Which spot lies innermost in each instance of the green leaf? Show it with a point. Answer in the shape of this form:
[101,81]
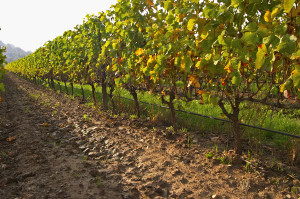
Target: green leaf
[272,39]
[236,80]
[296,80]
[187,63]
[210,11]
[2,87]
[263,31]
[205,97]
[170,18]
[296,55]
[179,84]
[235,3]
[296,77]
[250,38]
[251,27]
[168,5]
[280,29]
[160,60]
[236,44]
[288,4]
[287,44]
[213,100]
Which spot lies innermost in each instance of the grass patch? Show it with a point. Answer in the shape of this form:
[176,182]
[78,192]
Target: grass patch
[251,113]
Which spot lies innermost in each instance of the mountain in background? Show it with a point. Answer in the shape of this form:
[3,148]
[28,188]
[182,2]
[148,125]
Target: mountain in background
[13,53]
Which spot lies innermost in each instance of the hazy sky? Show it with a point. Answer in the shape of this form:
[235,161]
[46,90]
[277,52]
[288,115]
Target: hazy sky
[30,23]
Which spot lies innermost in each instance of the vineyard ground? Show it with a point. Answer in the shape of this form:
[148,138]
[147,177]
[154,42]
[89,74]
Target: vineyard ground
[48,149]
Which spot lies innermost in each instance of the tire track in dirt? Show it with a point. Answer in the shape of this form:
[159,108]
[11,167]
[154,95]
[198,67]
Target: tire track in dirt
[34,164]
[73,158]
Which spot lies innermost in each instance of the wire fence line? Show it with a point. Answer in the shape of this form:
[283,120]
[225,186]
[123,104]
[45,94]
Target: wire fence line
[215,118]
[211,117]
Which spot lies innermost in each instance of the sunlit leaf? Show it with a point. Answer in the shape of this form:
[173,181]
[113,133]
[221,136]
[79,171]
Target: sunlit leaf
[139,51]
[288,4]
[268,17]
[194,81]
[191,24]
[260,56]
[149,3]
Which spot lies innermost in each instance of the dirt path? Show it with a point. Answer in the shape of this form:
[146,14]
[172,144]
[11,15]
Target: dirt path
[48,149]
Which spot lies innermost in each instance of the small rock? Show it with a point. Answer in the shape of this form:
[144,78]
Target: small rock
[288,196]
[184,181]
[176,173]
[115,155]
[94,154]
[263,194]
[86,151]
[167,163]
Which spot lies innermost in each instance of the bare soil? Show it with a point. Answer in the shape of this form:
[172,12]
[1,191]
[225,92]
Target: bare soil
[51,146]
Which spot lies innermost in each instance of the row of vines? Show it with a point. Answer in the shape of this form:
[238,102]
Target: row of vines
[221,52]
[2,70]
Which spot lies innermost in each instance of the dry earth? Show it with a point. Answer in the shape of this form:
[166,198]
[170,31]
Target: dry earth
[49,150]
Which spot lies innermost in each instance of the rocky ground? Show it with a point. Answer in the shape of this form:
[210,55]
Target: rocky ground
[51,146]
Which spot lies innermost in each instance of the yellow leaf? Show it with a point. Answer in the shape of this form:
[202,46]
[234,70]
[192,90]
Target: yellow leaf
[288,5]
[149,3]
[200,92]
[139,51]
[267,16]
[204,35]
[281,87]
[228,67]
[10,139]
[150,60]
[275,11]
[193,80]
[191,24]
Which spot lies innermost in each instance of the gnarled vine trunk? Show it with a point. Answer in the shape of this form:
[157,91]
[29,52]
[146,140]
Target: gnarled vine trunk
[104,94]
[171,107]
[136,102]
[72,88]
[111,90]
[82,92]
[66,87]
[94,94]
[234,117]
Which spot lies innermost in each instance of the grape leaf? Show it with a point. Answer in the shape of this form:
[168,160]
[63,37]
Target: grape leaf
[191,24]
[268,17]
[287,5]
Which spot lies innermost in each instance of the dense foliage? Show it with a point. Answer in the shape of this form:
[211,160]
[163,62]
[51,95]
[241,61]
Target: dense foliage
[2,70]
[219,52]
